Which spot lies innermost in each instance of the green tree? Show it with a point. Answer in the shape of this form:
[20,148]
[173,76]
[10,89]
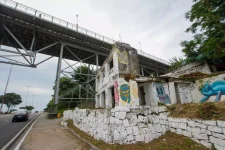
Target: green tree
[11,99]
[29,107]
[208,28]
[176,62]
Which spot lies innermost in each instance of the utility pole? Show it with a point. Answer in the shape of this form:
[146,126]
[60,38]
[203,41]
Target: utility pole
[3,98]
[33,100]
[27,95]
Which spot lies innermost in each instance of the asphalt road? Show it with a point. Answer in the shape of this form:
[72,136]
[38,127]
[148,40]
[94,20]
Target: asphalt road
[9,129]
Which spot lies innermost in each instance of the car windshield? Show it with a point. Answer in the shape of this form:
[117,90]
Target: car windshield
[21,112]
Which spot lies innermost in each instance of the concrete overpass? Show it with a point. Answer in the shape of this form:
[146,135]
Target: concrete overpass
[29,32]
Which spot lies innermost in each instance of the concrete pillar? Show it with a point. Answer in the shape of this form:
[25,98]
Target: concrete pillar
[172,93]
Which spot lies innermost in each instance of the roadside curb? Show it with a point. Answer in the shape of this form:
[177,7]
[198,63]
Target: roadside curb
[95,148]
[18,134]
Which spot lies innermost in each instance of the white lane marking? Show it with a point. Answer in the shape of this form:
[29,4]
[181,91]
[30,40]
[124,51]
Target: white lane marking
[21,141]
[17,135]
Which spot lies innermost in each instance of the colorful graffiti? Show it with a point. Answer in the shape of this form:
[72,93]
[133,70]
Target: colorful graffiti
[116,93]
[216,88]
[163,97]
[125,93]
[134,89]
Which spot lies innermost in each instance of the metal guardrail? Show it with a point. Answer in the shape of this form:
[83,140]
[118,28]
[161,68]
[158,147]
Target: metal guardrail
[41,15]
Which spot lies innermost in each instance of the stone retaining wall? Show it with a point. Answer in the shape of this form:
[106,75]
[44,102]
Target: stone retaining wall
[143,124]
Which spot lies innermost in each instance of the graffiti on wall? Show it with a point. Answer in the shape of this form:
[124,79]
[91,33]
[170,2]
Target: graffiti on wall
[116,93]
[216,88]
[163,97]
[125,93]
[134,90]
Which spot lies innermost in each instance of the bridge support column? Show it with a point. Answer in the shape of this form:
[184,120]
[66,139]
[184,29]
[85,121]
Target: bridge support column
[56,95]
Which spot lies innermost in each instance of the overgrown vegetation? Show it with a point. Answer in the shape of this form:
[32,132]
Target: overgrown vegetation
[206,110]
[208,29]
[169,141]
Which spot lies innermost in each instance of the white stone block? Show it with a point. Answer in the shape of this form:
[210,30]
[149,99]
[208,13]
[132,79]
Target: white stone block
[120,115]
[129,130]
[140,138]
[155,120]
[218,147]
[195,130]
[117,121]
[215,129]
[174,125]
[186,133]
[123,133]
[200,136]
[130,138]
[200,125]
[191,123]
[162,109]
[172,130]
[170,119]
[179,131]
[184,120]
[158,128]
[111,119]
[217,141]
[126,123]
[209,122]
[203,131]
[220,136]
[143,119]
[208,132]
[206,144]
[182,126]
[135,130]
[221,123]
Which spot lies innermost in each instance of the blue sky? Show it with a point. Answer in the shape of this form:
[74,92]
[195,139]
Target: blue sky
[158,25]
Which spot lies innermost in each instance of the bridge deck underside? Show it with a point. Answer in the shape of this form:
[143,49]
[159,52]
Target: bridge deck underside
[23,26]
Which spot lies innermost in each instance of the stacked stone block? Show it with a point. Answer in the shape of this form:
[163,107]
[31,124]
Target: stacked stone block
[143,124]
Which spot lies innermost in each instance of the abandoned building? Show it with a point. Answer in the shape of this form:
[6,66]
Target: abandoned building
[119,83]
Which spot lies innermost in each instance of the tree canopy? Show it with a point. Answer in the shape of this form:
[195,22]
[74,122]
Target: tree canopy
[29,107]
[208,27]
[11,99]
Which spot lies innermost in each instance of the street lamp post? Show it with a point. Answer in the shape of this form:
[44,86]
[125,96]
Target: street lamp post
[140,45]
[33,100]
[27,95]
[3,98]
[77,21]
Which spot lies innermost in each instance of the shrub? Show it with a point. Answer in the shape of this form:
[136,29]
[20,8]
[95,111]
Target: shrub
[207,110]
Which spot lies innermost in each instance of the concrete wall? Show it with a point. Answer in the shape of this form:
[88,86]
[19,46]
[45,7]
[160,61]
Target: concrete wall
[119,78]
[190,68]
[192,92]
[143,124]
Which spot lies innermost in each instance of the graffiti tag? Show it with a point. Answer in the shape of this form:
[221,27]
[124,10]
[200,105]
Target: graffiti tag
[125,93]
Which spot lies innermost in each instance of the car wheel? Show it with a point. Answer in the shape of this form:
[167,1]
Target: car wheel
[13,120]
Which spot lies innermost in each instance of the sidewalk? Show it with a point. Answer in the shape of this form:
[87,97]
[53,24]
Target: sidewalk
[47,134]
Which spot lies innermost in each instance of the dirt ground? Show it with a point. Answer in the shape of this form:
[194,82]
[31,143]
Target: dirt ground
[47,134]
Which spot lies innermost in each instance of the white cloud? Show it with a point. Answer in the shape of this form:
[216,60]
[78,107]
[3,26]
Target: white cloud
[158,25]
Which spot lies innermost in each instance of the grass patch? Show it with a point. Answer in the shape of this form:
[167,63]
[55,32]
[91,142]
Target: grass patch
[206,110]
[169,141]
